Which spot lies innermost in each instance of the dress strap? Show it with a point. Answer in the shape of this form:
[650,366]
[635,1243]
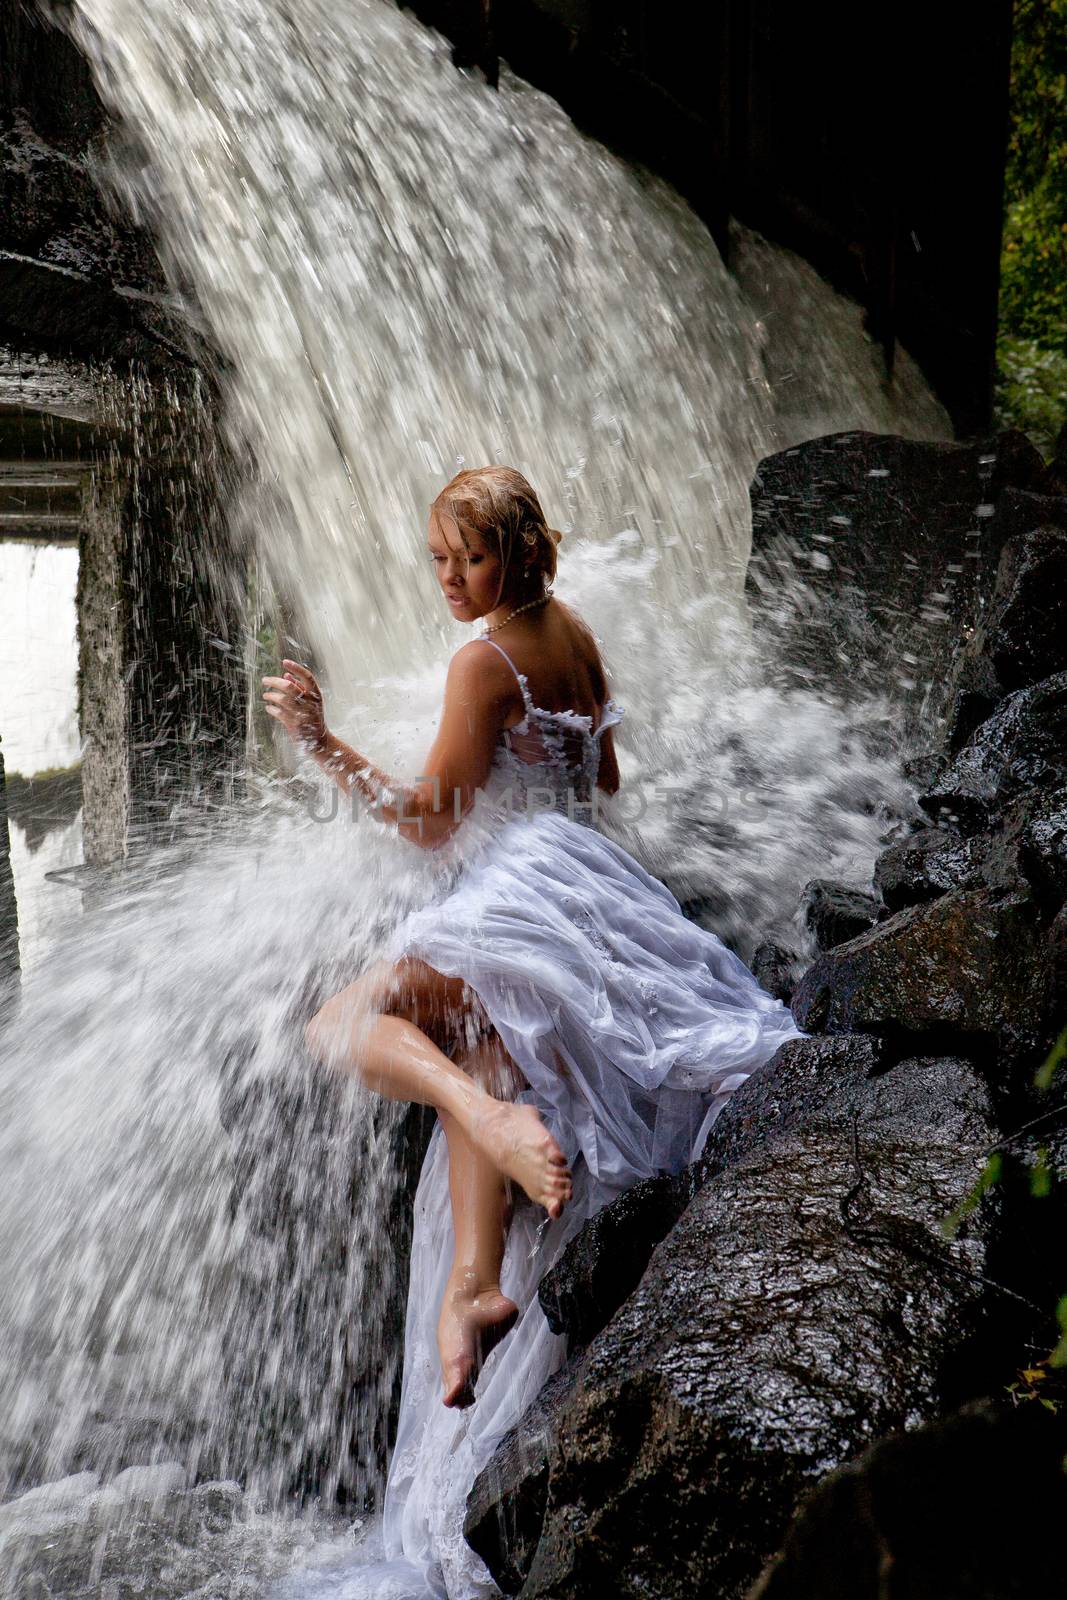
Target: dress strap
[520,675]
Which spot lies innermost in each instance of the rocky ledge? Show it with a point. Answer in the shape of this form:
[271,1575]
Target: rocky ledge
[838,1319]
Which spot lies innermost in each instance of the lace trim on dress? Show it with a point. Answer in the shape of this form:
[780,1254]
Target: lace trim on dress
[557,751]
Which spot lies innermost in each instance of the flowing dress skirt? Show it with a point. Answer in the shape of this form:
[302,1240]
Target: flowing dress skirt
[632,1026]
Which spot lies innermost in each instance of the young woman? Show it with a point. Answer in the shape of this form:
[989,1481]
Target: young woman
[574,1031]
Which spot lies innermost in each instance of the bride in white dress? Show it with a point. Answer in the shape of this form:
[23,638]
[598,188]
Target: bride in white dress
[574,1031]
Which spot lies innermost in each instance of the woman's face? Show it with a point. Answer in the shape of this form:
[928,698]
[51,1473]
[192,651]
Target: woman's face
[469,574]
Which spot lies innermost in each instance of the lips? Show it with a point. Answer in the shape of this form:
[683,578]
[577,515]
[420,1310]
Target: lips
[456,599]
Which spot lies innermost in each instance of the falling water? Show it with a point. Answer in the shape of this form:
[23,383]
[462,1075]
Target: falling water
[402,271]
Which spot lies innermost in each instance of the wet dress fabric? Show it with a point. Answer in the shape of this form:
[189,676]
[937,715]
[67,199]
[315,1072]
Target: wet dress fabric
[632,1026]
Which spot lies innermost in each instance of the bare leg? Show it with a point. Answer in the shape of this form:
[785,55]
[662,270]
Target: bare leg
[397,1059]
[475,1313]
[404,1062]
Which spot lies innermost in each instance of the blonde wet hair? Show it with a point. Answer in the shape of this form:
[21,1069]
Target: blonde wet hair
[500,505]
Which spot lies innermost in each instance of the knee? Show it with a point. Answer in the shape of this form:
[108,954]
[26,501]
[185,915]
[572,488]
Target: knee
[317,1035]
[335,1033]
[324,1037]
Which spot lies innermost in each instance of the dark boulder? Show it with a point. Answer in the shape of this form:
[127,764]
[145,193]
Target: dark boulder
[1023,853]
[1022,746]
[923,769]
[1023,506]
[1043,849]
[968,1508]
[972,968]
[61,309]
[54,212]
[1021,638]
[808,1083]
[1023,634]
[44,76]
[835,913]
[603,1265]
[776,969]
[924,866]
[806,1303]
[869,549]
[974,693]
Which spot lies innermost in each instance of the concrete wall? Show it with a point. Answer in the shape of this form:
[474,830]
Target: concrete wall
[161,681]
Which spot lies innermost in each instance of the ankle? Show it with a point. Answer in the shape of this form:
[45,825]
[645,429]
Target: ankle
[468,1283]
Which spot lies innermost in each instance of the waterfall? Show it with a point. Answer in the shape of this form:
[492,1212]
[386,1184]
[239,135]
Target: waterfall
[403,272]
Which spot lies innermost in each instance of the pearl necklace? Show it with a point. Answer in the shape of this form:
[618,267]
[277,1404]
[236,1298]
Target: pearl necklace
[538,602]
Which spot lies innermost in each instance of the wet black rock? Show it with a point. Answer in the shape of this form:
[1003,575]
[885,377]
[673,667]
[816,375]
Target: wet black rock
[1021,747]
[808,1083]
[603,1265]
[1023,634]
[974,694]
[1022,854]
[1023,506]
[923,769]
[806,1303]
[925,865]
[59,308]
[1021,638]
[892,539]
[506,1506]
[835,913]
[968,1508]
[776,969]
[971,971]
[1043,849]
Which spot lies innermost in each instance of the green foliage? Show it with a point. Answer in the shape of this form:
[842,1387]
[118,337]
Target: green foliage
[1053,1062]
[1031,391]
[1043,1179]
[1032,1384]
[1032,347]
[989,1175]
[1058,1358]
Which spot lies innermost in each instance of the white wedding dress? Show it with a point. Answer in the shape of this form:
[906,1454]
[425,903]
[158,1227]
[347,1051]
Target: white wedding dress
[632,1025]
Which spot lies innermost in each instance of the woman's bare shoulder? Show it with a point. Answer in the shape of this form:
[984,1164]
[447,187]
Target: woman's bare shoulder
[588,644]
[477,673]
[582,627]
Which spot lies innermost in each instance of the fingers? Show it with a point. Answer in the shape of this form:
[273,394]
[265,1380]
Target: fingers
[304,674]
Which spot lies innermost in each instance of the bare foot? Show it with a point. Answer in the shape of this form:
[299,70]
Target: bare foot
[521,1147]
[469,1327]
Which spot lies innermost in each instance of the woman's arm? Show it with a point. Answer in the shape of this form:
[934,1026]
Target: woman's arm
[429,810]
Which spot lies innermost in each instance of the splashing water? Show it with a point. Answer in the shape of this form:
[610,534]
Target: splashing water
[404,271]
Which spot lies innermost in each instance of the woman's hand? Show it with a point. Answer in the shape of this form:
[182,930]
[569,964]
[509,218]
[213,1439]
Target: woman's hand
[296,702]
